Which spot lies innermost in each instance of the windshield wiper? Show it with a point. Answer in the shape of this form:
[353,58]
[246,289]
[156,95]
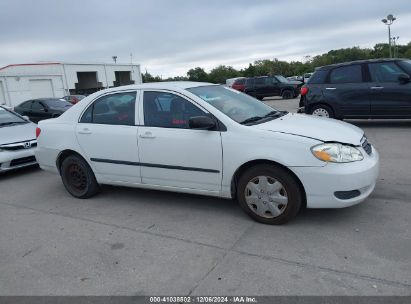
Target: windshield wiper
[12,123]
[273,114]
[251,119]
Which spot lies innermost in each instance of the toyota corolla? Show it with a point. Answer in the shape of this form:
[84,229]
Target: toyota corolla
[212,140]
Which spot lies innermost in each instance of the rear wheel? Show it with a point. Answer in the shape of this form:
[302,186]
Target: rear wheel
[287,94]
[269,194]
[78,178]
[322,110]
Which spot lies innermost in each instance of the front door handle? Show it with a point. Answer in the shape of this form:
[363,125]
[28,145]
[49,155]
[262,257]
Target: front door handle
[85,131]
[330,88]
[377,88]
[147,135]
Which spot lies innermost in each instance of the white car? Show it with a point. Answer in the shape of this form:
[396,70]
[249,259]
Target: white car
[17,141]
[208,139]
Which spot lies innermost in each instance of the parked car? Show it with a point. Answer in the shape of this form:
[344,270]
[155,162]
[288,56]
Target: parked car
[229,82]
[73,99]
[17,141]
[42,108]
[307,77]
[239,84]
[360,89]
[267,86]
[212,140]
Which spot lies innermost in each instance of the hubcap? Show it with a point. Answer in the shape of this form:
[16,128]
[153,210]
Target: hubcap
[76,177]
[321,112]
[266,196]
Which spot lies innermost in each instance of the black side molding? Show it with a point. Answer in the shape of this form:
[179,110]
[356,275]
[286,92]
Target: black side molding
[128,163]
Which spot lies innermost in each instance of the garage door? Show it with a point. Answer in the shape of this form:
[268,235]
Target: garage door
[2,96]
[41,88]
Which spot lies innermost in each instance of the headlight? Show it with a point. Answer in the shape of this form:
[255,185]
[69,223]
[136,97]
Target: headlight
[336,153]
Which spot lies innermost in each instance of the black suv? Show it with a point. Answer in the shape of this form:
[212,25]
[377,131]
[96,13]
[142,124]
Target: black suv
[377,88]
[267,86]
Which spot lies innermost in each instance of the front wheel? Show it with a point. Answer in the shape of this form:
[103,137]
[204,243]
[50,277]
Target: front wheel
[78,178]
[269,194]
[287,94]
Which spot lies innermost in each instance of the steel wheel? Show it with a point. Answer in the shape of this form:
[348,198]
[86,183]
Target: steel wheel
[321,112]
[76,178]
[266,196]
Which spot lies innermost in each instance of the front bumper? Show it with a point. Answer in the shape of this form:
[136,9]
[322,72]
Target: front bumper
[323,185]
[10,160]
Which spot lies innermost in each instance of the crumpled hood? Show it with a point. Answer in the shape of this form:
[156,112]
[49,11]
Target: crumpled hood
[17,133]
[323,129]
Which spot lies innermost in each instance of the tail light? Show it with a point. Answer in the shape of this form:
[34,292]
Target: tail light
[38,131]
[304,91]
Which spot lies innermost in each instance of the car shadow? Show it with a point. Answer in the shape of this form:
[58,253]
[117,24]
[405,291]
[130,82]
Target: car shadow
[380,123]
[16,173]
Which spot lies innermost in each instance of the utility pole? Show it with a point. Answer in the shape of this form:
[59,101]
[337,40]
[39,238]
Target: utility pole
[388,21]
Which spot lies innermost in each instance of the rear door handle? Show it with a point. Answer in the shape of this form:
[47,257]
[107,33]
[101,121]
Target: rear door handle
[147,135]
[330,88]
[377,88]
[85,131]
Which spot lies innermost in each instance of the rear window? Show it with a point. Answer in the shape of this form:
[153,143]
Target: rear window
[318,77]
[346,74]
[57,103]
[240,81]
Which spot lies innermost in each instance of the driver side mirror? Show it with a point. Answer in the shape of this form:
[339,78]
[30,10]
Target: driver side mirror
[201,123]
[403,78]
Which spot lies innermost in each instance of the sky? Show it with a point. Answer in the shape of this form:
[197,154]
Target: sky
[168,37]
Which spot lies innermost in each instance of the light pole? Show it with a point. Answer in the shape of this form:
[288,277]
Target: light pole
[395,40]
[388,21]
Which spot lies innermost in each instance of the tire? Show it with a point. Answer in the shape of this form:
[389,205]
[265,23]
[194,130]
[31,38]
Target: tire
[276,207]
[322,110]
[287,94]
[78,178]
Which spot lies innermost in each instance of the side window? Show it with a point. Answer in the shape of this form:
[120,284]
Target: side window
[260,82]
[114,109]
[26,105]
[347,74]
[165,110]
[318,77]
[384,72]
[37,106]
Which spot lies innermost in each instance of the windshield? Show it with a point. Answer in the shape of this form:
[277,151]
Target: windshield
[281,78]
[8,118]
[236,105]
[58,103]
[406,65]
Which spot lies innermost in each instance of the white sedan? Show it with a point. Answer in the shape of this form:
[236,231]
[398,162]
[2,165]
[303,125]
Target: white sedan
[208,139]
[17,141]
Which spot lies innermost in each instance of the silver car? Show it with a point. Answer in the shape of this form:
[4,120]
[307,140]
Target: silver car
[17,141]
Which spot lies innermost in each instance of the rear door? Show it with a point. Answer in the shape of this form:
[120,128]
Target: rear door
[347,91]
[107,134]
[389,97]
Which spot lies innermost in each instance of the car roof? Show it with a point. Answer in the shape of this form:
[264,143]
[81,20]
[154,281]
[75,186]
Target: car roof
[335,65]
[164,85]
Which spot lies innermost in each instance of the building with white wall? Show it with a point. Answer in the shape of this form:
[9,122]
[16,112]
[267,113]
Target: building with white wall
[20,82]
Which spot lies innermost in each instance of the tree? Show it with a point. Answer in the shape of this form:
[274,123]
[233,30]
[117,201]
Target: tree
[197,74]
[221,73]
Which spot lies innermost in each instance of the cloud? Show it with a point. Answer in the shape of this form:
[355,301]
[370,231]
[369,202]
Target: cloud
[170,36]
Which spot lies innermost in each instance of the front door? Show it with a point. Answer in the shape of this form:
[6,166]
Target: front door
[389,97]
[172,154]
[107,134]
